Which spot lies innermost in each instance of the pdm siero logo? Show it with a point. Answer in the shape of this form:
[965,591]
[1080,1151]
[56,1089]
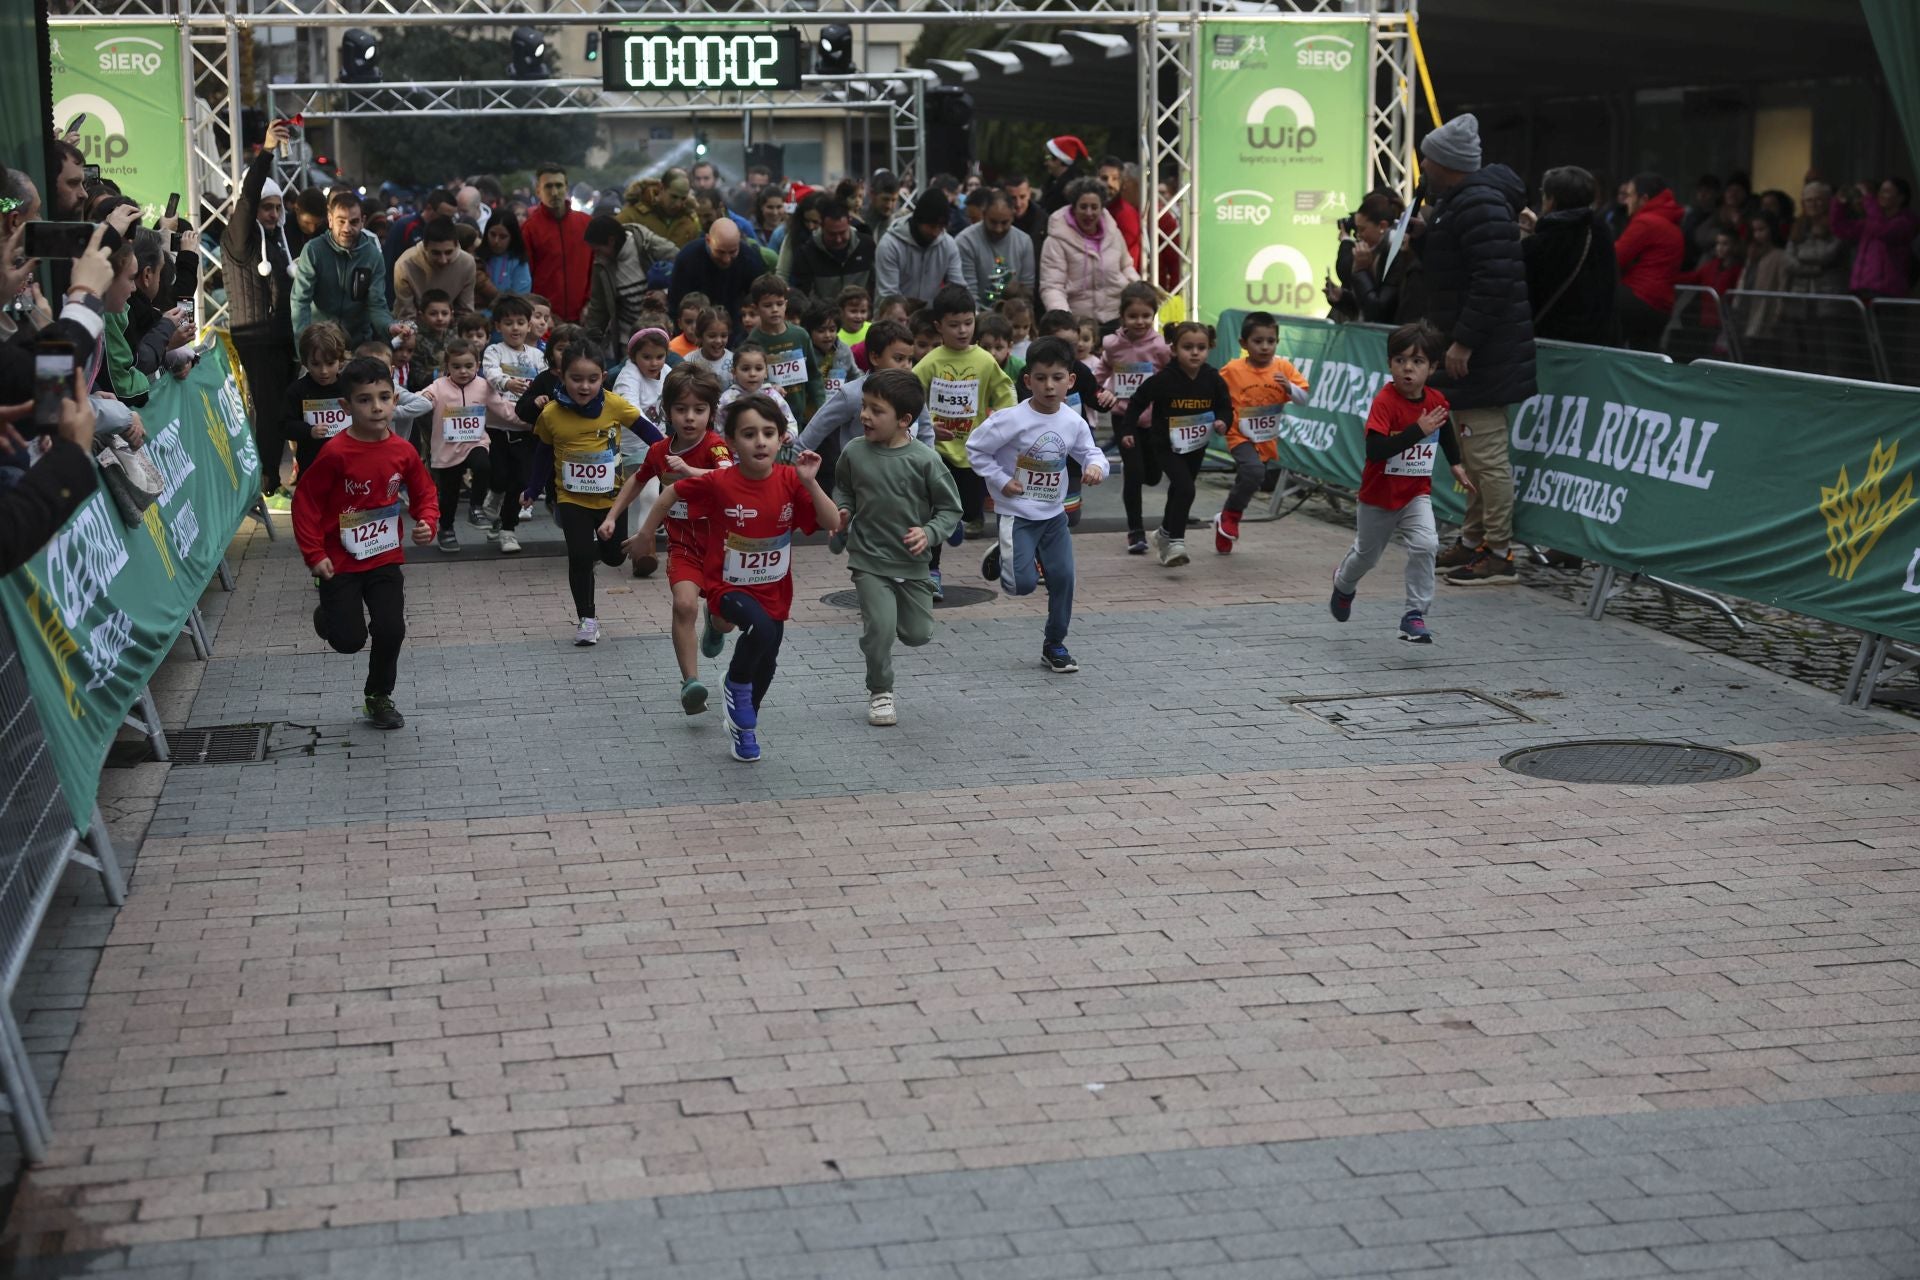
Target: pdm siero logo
[1244,207]
[133,54]
[1323,53]
[1293,295]
[1296,136]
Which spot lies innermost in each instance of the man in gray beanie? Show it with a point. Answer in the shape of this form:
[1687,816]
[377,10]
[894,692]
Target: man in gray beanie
[1476,283]
[257,254]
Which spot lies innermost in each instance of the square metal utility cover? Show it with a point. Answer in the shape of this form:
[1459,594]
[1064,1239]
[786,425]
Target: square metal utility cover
[1424,711]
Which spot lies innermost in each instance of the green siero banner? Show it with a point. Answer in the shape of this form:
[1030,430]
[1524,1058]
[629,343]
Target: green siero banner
[1282,157]
[100,606]
[1788,490]
[125,79]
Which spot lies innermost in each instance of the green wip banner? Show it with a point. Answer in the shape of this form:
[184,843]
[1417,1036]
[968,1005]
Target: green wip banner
[1796,492]
[1282,156]
[100,606]
[126,81]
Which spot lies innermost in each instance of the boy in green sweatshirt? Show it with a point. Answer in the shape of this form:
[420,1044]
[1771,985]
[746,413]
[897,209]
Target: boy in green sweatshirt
[793,370]
[896,503]
[964,386]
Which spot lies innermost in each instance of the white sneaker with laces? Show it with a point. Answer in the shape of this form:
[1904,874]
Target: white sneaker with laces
[509,543]
[589,632]
[880,710]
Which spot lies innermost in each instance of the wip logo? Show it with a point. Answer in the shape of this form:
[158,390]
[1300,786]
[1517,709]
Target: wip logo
[1856,516]
[1246,207]
[1297,136]
[1292,295]
[133,54]
[103,139]
[1323,53]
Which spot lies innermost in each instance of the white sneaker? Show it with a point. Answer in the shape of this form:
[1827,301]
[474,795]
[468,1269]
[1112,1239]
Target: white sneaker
[880,710]
[1161,542]
[1176,553]
[526,511]
[509,543]
[589,632]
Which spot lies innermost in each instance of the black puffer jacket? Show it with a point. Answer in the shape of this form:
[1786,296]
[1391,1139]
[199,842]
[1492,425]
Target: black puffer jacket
[1571,278]
[1476,284]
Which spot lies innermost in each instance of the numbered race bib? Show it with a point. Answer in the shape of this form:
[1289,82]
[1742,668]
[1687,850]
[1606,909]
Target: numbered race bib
[464,426]
[954,403]
[1128,377]
[1045,481]
[1191,432]
[1262,424]
[1415,461]
[328,417]
[678,511]
[835,380]
[756,562]
[366,534]
[787,371]
[587,473]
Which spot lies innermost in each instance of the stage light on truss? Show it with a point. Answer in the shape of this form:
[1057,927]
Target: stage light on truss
[833,54]
[359,57]
[529,54]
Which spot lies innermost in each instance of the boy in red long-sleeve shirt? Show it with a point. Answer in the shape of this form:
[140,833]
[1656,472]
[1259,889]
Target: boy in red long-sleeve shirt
[346,519]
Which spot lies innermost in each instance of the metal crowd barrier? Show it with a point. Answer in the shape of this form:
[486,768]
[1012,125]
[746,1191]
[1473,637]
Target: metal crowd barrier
[1834,335]
[37,841]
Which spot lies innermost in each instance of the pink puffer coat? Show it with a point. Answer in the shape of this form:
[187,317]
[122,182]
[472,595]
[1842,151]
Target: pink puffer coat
[1080,276]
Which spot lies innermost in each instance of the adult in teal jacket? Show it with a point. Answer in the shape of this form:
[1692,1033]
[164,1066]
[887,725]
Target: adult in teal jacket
[342,276]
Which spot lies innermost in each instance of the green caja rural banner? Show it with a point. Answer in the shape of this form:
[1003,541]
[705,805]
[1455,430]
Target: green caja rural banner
[1796,492]
[98,609]
[1282,157]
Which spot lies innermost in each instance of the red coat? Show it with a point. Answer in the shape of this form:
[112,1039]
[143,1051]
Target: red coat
[1650,251]
[1127,218]
[1715,275]
[561,262]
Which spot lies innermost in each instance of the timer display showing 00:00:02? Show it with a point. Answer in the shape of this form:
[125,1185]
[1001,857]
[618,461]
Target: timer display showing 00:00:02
[702,62]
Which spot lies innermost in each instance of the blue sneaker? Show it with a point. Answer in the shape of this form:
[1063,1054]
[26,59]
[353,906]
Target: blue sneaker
[741,721]
[1055,658]
[1341,606]
[712,639]
[939,592]
[959,534]
[1413,629]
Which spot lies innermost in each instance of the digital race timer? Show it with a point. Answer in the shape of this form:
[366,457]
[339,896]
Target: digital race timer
[670,60]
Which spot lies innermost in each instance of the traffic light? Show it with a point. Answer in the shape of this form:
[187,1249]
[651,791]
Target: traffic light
[833,54]
[359,57]
[700,143]
[529,52]
[593,46]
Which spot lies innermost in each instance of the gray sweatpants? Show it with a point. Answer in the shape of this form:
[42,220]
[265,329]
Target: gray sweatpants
[1374,528]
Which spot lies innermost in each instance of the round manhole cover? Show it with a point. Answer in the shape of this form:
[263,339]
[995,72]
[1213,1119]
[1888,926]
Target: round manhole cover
[1629,763]
[957,598]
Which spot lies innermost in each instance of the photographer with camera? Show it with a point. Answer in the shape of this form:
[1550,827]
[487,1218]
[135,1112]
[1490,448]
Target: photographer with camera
[1369,288]
[341,276]
[258,262]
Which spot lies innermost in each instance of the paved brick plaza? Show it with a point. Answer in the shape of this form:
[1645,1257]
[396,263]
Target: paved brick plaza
[1145,971]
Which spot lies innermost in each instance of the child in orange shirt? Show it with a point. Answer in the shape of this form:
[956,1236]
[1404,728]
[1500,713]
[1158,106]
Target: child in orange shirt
[1261,384]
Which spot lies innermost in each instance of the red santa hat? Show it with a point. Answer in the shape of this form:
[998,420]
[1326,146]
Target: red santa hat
[1066,149]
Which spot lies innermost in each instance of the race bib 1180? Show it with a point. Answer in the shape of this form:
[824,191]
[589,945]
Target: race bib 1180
[328,418]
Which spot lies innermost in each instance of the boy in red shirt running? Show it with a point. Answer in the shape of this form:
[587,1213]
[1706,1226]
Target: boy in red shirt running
[689,397]
[346,520]
[752,510]
[1396,485]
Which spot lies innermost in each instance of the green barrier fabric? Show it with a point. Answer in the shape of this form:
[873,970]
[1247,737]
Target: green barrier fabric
[1282,140]
[1793,491]
[126,80]
[100,606]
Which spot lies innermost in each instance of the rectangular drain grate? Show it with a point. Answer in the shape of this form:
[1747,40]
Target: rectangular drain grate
[219,744]
[1425,711]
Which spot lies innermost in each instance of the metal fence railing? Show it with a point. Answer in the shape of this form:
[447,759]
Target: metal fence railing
[37,841]
[1832,334]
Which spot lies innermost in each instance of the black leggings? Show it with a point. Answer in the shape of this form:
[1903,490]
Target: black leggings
[356,606]
[1181,470]
[584,547]
[757,651]
[447,481]
[1138,466]
[512,453]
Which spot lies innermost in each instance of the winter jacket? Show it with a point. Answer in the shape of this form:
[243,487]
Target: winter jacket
[1570,253]
[904,266]
[323,288]
[1127,218]
[616,288]
[414,276]
[682,230]
[989,267]
[1712,273]
[1080,276]
[694,271]
[820,272]
[1816,261]
[1884,264]
[1476,283]
[259,308]
[1766,273]
[1651,250]
[508,275]
[561,262]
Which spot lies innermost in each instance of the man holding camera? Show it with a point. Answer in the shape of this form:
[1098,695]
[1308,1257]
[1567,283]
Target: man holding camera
[259,269]
[341,276]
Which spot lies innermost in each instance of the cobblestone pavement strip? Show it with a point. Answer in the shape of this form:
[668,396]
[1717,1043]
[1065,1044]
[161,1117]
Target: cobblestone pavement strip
[1144,972]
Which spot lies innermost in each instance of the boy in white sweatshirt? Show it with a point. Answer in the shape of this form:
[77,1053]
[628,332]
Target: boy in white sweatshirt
[1021,455]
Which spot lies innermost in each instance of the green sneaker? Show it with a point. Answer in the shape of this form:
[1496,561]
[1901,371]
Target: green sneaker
[279,500]
[382,714]
[712,639]
[693,697]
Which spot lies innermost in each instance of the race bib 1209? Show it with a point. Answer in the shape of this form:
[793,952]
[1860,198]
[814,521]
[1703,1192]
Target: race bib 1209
[588,473]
